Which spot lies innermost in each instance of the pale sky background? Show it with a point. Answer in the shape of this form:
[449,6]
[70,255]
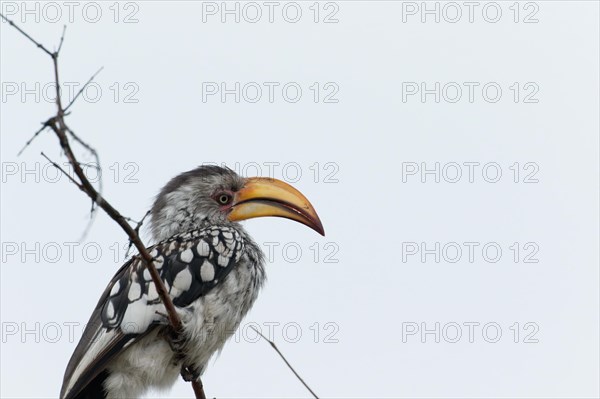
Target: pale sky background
[355,315]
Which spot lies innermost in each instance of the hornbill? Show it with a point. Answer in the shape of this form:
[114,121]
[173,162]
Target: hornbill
[212,269]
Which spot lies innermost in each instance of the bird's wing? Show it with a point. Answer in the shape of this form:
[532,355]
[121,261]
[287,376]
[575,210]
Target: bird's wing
[190,265]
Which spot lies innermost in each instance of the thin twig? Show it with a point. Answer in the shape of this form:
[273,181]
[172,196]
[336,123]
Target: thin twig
[94,153]
[88,227]
[286,362]
[11,23]
[90,165]
[62,38]
[57,166]
[89,148]
[59,127]
[92,217]
[83,88]
[44,126]
[137,230]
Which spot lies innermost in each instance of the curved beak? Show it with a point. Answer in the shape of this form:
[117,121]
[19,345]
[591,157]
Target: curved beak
[262,196]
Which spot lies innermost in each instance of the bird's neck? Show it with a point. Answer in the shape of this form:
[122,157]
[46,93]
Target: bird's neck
[170,222]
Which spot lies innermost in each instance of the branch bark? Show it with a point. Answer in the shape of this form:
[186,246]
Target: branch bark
[58,125]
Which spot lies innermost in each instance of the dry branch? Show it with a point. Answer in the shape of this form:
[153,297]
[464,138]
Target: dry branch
[286,361]
[58,125]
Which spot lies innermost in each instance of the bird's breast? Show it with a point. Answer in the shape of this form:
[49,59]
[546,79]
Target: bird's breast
[212,319]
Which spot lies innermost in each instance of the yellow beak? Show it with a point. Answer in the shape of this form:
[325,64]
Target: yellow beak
[262,196]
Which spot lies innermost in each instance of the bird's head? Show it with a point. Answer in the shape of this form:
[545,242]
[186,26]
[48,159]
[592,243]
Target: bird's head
[216,195]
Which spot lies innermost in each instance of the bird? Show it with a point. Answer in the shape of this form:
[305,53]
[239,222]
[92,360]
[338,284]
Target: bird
[212,269]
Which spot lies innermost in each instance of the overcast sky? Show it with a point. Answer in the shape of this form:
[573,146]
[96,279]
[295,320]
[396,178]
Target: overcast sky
[451,152]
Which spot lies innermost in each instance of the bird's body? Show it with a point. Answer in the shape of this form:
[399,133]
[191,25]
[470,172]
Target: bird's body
[212,270]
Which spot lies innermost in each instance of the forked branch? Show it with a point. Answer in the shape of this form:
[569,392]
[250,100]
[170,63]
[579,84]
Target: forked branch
[58,125]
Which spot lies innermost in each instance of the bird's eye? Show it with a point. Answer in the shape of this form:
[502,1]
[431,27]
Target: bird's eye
[224,199]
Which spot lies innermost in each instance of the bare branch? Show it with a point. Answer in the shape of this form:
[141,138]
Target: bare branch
[286,362]
[137,230]
[90,165]
[11,23]
[83,88]
[92,213]
[44,126]
[57,166]
[59,127]
[88,227]
[60,113]
[198,389]
[91,150]
[62,38]
[94,153]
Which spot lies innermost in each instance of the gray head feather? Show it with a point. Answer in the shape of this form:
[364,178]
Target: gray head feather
[186,202]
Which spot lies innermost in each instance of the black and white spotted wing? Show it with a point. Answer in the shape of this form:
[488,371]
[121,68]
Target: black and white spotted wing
[189,264]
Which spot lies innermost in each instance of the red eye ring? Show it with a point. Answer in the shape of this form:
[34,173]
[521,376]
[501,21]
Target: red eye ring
[224,198]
